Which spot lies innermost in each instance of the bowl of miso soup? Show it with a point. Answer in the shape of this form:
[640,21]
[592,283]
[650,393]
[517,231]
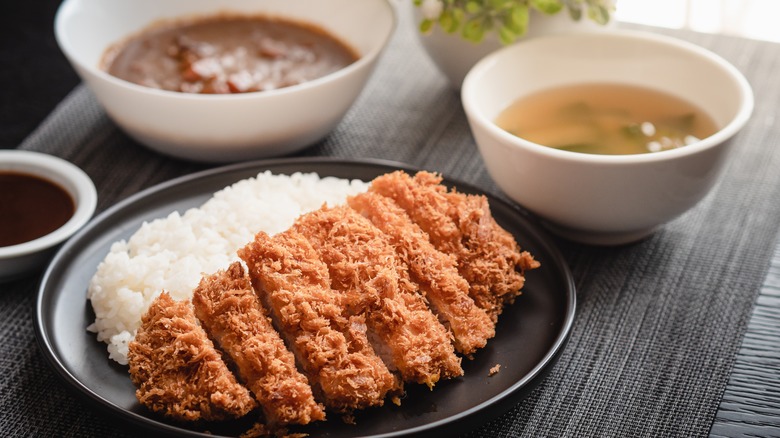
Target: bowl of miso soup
[606,136]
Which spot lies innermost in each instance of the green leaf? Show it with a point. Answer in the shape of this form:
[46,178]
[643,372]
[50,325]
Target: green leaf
[633,131]
[547,6]
[599,14]
[473,7]
[575,10]
[680,123]
[517,20]
[506,35]
[458,15]
[473,30]
[426,26]
[497,5]
[579,110]
[583,148]
[445,21]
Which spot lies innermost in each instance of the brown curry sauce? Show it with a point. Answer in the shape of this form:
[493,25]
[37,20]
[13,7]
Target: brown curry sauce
[227,54]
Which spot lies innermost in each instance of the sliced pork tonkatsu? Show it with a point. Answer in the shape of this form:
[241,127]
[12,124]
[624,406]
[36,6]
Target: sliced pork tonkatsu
[461,225]
[332,347]
[363,266]
[177,370]
[490,259]
[338,313]
[435,272]
[229,309]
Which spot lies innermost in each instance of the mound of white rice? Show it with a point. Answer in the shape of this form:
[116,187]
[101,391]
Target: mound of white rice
[173,253]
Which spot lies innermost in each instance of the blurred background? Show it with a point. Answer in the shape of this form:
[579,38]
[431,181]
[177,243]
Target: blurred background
[35,76]
[756,19]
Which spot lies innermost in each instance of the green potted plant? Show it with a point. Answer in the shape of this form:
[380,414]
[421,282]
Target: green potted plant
[457,33]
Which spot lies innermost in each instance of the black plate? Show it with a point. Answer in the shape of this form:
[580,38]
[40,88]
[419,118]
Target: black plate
[530,334]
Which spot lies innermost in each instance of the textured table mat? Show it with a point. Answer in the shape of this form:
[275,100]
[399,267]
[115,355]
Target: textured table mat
[751,404]
[659,322]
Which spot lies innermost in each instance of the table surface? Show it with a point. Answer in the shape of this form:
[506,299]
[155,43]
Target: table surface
[35,77]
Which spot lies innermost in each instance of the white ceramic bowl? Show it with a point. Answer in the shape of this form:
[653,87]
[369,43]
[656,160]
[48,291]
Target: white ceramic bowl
[224,128]
[22,259]
[605,199]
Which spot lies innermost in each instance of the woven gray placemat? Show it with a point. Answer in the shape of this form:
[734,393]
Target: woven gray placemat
[751,404]
[658,323]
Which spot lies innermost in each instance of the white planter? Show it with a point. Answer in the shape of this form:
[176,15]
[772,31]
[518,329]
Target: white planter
[454,56]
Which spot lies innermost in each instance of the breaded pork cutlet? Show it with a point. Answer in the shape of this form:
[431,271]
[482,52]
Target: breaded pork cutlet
[488,256]
[332,348]
[177,370]
[490,259]
[231,313]
[364,268]
[434,271]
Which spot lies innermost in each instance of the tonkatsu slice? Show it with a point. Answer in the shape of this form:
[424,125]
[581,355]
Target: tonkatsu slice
[435,272]
[490,259]
[177,370]
[331,346]
[364,268]
[488,256]
[231,313]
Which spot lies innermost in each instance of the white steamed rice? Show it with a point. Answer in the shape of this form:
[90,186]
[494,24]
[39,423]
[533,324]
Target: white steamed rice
[173,253]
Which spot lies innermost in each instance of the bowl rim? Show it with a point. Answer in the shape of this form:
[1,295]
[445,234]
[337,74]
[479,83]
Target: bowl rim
[741,117]
[364,60]
[84,197]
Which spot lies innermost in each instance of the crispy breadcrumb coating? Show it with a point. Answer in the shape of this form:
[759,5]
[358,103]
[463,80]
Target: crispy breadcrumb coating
[333,348]
[434,271]
[461,225]
[363,267]
[362,298]
[490,259]
[177,370]
[229,309]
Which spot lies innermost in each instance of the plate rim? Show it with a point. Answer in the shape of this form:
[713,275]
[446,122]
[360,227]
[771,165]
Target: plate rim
[45,343]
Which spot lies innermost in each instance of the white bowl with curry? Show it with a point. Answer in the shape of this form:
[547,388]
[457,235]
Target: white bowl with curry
[225,80]
[606,136]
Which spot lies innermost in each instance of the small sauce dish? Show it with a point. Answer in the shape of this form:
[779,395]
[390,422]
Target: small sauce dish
[25,170]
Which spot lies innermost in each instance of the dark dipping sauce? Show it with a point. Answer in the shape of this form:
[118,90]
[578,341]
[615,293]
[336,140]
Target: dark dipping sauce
[31,207]
[227,54]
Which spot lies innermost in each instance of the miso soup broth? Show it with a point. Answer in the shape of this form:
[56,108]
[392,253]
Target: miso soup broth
[612,119]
